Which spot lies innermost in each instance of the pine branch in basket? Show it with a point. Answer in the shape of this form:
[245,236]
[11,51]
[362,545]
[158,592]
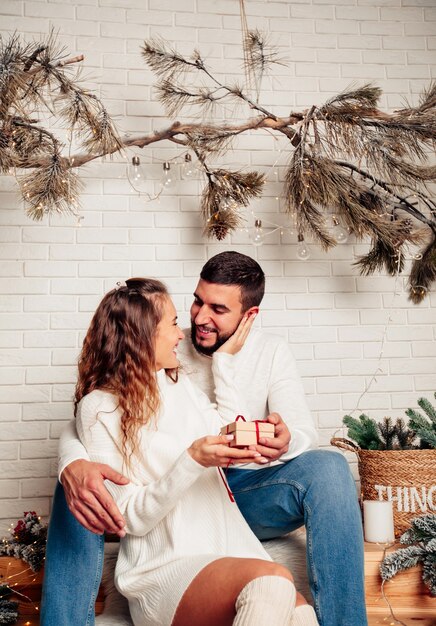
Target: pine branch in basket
[363,431]
[424,425]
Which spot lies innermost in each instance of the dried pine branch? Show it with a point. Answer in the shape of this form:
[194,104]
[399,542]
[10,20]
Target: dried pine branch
[174,97]
[259,56]
[36,76]
[165,62]
[53,189]
[347,155]
[224,193]
[423,272]
[211,139]
[366,96]
[381,256]
[87,116]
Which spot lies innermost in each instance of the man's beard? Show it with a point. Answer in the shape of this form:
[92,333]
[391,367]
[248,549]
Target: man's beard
[208,351]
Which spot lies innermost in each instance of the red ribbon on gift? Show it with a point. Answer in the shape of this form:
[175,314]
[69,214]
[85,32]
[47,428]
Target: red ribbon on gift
[257,422]
[220,471]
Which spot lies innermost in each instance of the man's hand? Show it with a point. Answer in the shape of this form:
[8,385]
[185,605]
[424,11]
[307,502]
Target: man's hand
[273,448]
[89,500]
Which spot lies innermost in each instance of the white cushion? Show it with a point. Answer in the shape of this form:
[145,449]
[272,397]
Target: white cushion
[289,550]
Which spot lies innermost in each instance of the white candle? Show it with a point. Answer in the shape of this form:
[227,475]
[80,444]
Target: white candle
[378,521]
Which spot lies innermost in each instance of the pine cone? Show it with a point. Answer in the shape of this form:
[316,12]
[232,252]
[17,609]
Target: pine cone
[220,224]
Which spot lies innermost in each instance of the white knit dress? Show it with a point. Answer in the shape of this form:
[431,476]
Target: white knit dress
[179,515]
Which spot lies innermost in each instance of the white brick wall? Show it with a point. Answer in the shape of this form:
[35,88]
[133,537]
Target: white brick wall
[344,328]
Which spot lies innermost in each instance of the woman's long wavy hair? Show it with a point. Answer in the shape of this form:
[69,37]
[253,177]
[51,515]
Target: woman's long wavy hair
[118,354]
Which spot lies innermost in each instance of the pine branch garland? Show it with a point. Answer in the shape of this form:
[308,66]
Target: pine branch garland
[420,539]
[347,155]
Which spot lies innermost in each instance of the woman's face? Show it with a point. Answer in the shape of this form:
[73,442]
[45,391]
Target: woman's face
[168,335]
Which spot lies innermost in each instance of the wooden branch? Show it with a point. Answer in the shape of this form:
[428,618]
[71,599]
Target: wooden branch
[76,59]
[176,129]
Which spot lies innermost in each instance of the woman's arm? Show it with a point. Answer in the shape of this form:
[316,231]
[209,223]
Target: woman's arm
[145,505]
[142,506]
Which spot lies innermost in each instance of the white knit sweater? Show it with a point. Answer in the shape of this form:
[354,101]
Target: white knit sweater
[265,374]
[266,377]
[178,514]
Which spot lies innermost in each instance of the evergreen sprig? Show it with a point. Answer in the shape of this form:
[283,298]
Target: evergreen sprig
[28,541]
[420,540]
[363,431]
[424,425]
[8,608]
[370,435]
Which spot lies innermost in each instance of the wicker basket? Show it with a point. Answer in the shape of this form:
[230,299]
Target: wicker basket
[407,477]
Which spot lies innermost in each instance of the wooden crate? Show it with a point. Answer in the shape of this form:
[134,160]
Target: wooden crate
[406,591]
[407,594]
[18,575]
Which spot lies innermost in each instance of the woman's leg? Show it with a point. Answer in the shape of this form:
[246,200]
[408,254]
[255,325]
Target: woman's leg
[228,584]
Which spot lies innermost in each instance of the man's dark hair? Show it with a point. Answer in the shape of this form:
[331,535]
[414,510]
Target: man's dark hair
[234,268]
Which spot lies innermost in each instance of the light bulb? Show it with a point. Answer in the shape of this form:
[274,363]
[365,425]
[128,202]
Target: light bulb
[167,177]
[303,250]
[257,237]
[188,168]
[339,232]
[137,174]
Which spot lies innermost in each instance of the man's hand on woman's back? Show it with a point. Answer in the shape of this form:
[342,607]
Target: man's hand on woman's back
[89,500]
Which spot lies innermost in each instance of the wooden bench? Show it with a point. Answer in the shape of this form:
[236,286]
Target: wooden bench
[407,594]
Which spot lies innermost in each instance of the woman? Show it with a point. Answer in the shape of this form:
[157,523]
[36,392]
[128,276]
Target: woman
[188,556]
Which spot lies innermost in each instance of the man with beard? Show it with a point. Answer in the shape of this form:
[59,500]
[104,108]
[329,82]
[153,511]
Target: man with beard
[290,485]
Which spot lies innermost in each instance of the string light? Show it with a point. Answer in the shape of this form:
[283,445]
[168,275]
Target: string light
[257,238]
[19,576]
[138,175]
[188,169]
[339,232]
[168,178]
[303,250]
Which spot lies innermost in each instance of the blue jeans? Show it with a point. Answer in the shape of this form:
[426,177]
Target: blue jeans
[72,571]
[315,489]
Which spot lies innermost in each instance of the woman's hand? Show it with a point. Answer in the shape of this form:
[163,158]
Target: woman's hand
[235,342]
[215,452]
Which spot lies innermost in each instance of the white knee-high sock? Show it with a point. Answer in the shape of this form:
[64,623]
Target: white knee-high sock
[304,615]
[265,600]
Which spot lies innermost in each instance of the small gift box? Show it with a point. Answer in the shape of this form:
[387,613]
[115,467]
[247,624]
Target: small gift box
[247,433]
